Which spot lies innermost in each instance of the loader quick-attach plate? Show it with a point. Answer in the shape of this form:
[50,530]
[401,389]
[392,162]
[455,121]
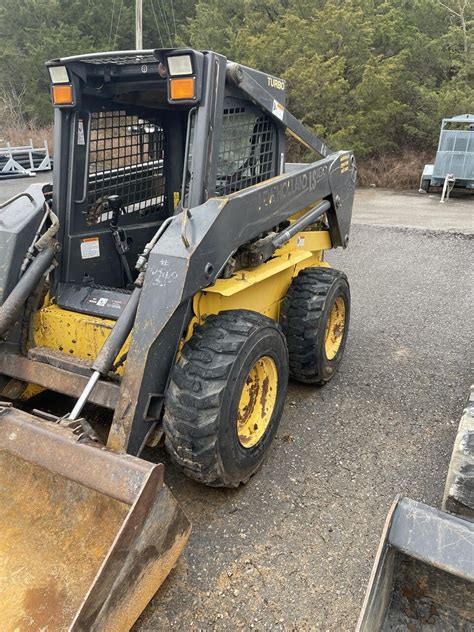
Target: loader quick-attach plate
[423,574]
[87,535]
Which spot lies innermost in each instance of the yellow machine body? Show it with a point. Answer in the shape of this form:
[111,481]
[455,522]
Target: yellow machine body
[260,289]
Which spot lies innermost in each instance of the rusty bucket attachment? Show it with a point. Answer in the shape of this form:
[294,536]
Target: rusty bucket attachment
[423,575]
[86,535]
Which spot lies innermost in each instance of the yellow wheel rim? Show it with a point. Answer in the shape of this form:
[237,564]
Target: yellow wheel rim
[335,328]
[257,402]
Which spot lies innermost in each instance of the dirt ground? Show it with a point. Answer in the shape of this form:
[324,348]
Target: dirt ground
[293,549]
[415,210]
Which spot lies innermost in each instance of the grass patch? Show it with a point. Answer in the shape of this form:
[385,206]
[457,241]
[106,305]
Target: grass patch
[20,135]
[401,171]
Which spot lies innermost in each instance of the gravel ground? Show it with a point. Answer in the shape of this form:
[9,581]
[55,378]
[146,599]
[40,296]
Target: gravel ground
[412,209]
[293,549]
[12,186]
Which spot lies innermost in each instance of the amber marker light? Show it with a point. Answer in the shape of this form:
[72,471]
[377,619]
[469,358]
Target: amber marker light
[182,88]
[62,94]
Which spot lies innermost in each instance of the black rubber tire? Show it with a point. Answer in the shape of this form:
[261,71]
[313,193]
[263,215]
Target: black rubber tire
[304,316]
[204,392]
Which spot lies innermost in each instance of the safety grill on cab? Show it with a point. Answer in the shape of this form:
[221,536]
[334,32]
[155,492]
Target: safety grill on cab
[246,151]
[126,158]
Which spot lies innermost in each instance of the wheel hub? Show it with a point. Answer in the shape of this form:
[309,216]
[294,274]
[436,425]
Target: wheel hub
[257,402]
[335,328]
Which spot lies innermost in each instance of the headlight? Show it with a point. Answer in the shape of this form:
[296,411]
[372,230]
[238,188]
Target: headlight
[180,65]
[58,74]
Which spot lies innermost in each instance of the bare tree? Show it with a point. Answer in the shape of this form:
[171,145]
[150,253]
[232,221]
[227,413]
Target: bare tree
[12,99]
[459,9]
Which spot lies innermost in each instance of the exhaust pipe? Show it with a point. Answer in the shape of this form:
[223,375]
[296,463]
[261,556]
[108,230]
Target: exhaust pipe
[10,311]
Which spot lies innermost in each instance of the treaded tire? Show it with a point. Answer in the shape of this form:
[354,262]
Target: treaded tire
[200,419]
[304,317]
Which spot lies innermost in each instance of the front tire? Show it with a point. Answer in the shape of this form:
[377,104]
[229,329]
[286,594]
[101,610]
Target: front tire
[226,397]
[315,320]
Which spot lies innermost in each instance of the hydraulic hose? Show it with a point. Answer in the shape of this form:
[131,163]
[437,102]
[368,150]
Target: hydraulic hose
[303,222]
[11,309]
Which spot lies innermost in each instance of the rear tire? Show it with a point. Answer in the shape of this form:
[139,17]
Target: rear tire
[226,397]
[315,320]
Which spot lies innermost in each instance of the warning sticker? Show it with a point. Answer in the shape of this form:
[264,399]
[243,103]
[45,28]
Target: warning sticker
[278,109]
[300,241]
[90,248]
[80,133]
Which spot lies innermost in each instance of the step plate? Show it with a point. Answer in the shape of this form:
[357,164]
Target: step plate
[96,301]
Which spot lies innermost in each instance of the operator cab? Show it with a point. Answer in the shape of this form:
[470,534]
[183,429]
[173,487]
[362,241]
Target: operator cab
[129,134]
[124,153]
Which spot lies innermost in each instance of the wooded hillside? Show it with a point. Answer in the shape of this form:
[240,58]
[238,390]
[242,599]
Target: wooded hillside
[373,75]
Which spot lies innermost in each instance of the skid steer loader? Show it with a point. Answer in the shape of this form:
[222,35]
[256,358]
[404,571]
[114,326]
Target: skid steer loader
[173,274]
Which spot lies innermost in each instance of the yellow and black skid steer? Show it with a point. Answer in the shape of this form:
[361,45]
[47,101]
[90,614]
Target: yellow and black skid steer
[174,274]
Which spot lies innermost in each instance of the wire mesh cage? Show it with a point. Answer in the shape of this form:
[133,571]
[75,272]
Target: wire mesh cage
[126,158]
[247,150]
[455,155]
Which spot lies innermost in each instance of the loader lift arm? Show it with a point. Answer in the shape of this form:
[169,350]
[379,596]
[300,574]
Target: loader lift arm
[244,79]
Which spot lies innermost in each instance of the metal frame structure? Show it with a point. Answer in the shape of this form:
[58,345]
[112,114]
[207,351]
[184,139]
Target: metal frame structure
[454,162]
[24,160]
[423,573]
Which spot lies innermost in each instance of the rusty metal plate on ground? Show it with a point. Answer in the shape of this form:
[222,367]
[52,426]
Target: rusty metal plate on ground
[423,574]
